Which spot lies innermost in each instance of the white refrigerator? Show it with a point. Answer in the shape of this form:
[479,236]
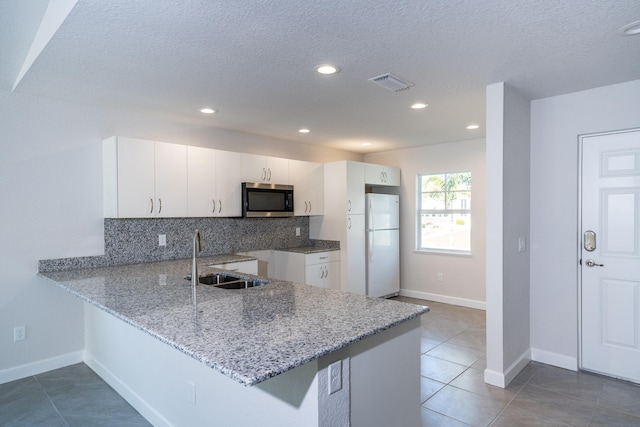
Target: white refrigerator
[383,245]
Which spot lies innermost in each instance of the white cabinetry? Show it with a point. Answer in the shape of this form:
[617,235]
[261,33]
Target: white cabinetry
[381,175]
[320,269]
[343,220]
[257,168]
[308,185]
[214,183]
[144,178]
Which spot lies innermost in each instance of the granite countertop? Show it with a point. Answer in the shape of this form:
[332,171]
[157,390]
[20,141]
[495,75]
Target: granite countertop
[249,335]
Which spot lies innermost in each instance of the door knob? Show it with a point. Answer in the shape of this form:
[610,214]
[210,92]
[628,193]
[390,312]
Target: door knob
[592,263]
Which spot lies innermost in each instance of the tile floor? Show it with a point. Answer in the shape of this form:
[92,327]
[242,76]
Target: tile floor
[454,393]
[453,390]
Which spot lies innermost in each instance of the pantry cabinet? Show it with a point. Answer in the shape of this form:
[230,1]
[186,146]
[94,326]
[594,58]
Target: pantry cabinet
[307,179]
[273,170]
[144,179]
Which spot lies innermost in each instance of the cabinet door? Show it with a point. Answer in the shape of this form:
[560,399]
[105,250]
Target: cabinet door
[381,175]
[355,271]
[317,275]
[136,178]
[228,171]
[308,182]
[333,275]
[277,170]
[171,179]
[257,168]
[355,188]
[201,183]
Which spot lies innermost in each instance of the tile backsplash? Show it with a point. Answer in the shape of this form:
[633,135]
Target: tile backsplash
[131,241]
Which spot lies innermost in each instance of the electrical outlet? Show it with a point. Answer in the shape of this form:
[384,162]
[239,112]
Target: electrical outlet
[297,231]
[440,277]
[191,392]
[19,333]
[162,239]
[335,376]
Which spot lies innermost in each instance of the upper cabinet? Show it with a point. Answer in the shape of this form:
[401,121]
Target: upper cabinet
[214,181]
[273,170]
[307,179]
[144,179]
[355,188]
[381,175]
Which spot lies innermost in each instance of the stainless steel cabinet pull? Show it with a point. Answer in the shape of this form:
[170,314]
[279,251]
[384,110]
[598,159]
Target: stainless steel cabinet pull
[592,263]
[309,206]
[159,205]
[214,206]
[151,200]
[219,205]
[269,176]
[348,205]
[264,174]
[349,224]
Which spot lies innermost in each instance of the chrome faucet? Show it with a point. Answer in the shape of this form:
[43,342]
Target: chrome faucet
[197,247]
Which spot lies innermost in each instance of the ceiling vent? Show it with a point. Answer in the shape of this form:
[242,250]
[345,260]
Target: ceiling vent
[391,82]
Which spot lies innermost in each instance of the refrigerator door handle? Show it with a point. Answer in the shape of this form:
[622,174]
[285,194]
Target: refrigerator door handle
[371,226]
[371,243]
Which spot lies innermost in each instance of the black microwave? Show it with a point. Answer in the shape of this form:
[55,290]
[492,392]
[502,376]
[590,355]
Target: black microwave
[260,200]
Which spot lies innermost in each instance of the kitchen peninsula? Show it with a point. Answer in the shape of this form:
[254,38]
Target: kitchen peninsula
[257,356]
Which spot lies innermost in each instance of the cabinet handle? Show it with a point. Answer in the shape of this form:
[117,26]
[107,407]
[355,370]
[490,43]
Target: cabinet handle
[309,206]
[269,175]
[306,207]
[349,223]
[326,270]
[324,257]
[264,174]
[219,205]
[159,205]
[151,200]
[348,205]
[214,206]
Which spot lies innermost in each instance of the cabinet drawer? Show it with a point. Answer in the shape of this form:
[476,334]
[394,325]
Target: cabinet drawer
[322,257]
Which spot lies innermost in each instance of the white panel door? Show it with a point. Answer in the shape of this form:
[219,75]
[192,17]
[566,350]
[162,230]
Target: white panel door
[201,163]
[136,178]
[228,171]
[610,254]
[171,179]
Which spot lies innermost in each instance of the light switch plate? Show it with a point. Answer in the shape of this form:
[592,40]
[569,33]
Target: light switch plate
[162,239]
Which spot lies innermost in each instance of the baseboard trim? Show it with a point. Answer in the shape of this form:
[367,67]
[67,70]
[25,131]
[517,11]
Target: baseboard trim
[463,302]
[140,405]
[35,368]
[503,379]
[554,359]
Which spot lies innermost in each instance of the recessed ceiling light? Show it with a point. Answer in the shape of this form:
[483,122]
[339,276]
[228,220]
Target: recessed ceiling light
[471,127]
[327,69]
[366,144]
[630,29]
[208,110]
[304,130]
[419,106]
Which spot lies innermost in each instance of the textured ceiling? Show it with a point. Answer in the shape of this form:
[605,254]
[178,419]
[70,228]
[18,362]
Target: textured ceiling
[254,61]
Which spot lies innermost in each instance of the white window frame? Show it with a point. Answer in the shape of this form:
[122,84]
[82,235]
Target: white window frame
[421,211]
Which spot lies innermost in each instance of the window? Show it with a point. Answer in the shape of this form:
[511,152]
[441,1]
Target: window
[444,212]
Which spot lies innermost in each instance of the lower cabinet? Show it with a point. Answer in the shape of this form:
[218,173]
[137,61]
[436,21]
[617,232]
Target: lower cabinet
[320,269]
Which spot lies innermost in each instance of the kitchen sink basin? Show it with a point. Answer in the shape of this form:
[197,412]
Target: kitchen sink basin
[229,281]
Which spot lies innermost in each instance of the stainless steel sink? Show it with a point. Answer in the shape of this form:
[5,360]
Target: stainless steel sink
[229,281]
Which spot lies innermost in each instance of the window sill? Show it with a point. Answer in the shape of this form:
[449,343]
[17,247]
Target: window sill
[443,252]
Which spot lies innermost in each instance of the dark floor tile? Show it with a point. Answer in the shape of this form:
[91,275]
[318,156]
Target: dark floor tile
[427,344]
[434,419]
[464,406]
[428,388]
[513,416]
[473,380]
[555,406]
[471,338]
[580,385]
[621,396]
[603,417]
[456,354]
[439,370]
[24,403]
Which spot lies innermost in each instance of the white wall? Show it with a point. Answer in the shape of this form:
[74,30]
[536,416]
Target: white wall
[51,192]
[464,276]
[508,142]
[556,123]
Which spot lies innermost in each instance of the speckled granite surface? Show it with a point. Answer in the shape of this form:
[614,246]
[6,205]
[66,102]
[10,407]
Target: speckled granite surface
[249,335]
[131,241]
